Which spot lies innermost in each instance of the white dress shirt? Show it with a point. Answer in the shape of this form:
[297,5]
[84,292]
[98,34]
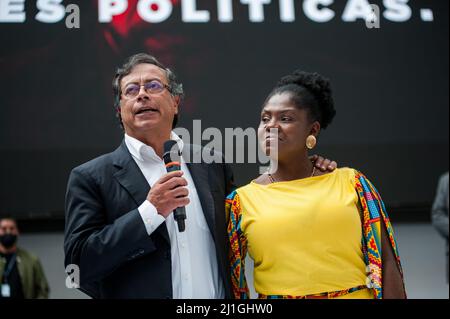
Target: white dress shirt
[195,272]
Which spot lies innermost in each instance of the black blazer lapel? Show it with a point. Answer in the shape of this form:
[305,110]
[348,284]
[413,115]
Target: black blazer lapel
[131,178]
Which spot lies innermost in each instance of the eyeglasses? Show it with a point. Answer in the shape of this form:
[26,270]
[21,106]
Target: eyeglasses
[152,87]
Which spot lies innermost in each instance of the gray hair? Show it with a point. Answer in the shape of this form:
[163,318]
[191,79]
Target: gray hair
[175,88]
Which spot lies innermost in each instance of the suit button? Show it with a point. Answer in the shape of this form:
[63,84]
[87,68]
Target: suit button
[168,297]
[167,255]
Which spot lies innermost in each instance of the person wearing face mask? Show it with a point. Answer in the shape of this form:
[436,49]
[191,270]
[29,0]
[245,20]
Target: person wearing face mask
[21,273]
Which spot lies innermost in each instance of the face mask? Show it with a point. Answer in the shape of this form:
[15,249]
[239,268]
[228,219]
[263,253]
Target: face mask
[8,240]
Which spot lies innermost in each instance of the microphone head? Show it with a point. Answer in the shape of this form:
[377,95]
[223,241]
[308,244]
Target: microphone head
[171,152]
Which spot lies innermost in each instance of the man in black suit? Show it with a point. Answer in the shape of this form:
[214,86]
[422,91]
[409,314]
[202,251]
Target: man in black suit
[120,230]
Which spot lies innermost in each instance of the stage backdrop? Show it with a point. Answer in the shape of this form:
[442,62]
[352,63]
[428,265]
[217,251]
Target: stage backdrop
[390,83]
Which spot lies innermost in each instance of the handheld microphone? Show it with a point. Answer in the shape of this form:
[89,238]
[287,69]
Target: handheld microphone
[173,163]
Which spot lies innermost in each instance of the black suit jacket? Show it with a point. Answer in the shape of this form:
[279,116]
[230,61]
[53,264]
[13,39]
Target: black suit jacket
[106,237]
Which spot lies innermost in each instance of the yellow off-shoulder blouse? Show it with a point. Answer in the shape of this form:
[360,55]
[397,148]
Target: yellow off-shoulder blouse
[304,235]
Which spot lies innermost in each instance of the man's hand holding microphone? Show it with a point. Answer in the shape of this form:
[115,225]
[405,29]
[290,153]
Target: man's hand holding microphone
[170,192]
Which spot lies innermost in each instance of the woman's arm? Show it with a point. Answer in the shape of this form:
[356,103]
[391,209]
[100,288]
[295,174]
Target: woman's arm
[238,247]
[379,246]
[393,287]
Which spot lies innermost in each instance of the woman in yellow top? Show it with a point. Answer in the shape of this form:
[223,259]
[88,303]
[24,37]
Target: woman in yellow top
[311,234]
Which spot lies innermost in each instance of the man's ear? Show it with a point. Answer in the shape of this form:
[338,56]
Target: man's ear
[177,100]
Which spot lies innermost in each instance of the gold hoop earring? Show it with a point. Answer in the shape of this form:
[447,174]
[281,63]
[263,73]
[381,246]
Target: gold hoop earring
[311,142]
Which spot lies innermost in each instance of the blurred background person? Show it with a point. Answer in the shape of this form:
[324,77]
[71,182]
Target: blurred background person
[21,273]
[439,211]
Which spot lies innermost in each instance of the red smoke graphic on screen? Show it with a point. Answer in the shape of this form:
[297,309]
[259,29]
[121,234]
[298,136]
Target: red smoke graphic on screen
[128,23]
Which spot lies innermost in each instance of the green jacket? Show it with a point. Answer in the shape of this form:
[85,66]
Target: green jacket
[32,277]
